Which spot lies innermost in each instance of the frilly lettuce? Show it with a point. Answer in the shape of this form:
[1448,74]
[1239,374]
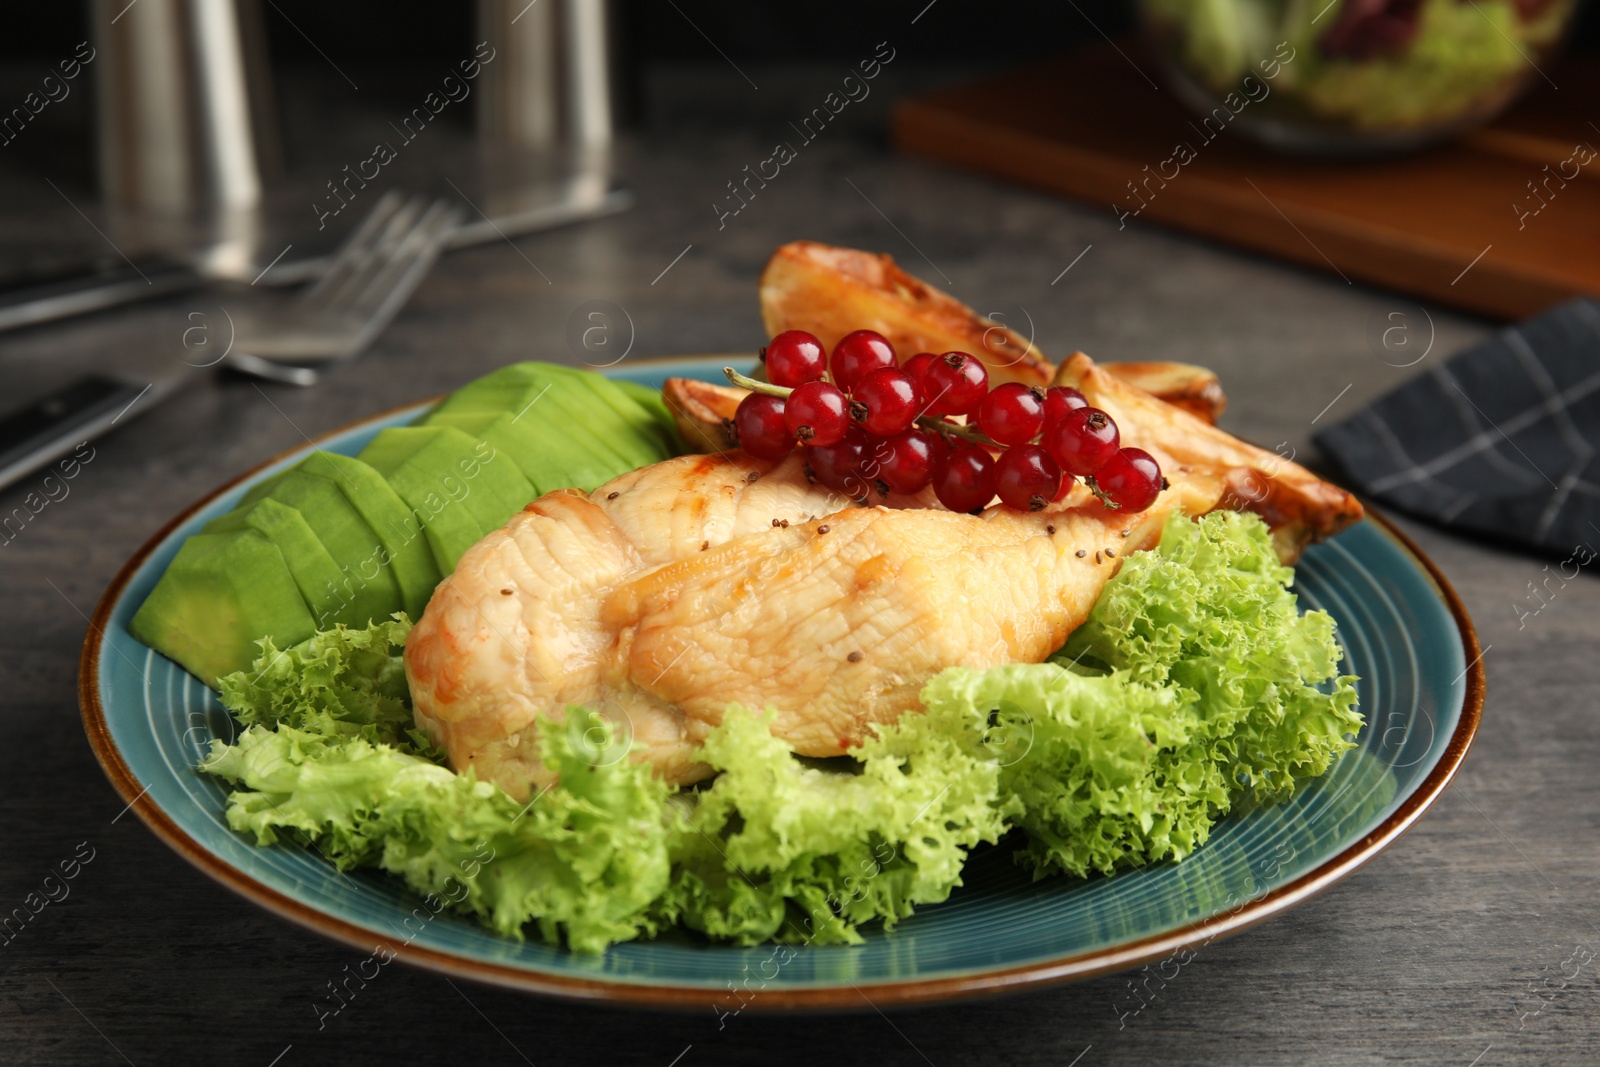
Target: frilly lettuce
[780,847]
[1091,762]
[1194,683]
[323,759]
[340,683]
[1209,614]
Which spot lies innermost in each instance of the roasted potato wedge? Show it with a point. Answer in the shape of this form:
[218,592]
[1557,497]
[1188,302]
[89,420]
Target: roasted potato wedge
[703,412]
[831,291]
[1194,389]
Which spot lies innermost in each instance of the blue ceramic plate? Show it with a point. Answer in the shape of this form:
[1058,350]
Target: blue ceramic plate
[1404,632]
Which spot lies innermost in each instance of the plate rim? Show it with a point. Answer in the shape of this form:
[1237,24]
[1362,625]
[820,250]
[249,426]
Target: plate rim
[1038,974]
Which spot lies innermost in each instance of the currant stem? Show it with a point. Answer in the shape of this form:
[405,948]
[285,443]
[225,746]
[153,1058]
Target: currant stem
[955,429]
[1100,495]
[744,381]
[941,426]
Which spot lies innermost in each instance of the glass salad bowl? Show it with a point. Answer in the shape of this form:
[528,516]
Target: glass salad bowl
[1353,77]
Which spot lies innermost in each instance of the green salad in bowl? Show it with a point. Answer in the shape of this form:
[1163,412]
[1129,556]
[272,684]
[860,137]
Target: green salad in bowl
[1354,76]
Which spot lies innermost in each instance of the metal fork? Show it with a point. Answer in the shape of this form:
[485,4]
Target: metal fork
[369,280]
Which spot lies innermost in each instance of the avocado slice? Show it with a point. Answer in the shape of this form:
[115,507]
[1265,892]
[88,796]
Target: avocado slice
[260,490]
[548,460]
[366,581]
[222,593]
[399,529]
[655,406]
[592,445]
[526,448]
[315,573]
[541,391]
[460,487]
[654,428]
[643,412]
[564,433]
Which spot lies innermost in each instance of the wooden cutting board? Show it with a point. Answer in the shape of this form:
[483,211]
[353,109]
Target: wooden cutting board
[1443,225]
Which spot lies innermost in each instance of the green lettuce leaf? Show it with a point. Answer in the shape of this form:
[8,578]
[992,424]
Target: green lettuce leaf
[340,683]
[1103,767]
[1195,682]
[322,761]
[1209,612]
[779,847]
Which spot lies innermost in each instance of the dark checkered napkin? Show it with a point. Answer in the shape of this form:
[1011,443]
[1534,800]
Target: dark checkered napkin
[1501,439]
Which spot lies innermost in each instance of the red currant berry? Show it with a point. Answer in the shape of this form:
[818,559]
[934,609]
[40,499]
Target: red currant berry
[760,426]
[1012,414]
[1083,440]
[816,413]
[1026,478]
[838,466]
[1060,399]
[955,384]
[795,357]
[964,479]
[905,461]
[1131,478]
[917,367]
[1067,482]
[857,355]
[877,453]
[885,401]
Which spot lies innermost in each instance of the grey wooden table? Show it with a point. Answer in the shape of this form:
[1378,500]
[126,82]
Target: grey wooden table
[1472,941]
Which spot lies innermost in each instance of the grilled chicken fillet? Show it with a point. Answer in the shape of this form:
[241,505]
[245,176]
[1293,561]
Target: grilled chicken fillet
[685,586]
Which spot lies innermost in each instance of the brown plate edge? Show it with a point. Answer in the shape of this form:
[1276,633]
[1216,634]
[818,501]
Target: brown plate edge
[1032,975]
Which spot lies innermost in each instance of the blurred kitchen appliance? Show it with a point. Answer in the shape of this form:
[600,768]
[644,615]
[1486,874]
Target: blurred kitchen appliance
[183,124]
[550,86]
[547,107]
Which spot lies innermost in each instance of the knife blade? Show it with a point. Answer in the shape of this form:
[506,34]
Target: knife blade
[58,422]
[76,292]
[74,393]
